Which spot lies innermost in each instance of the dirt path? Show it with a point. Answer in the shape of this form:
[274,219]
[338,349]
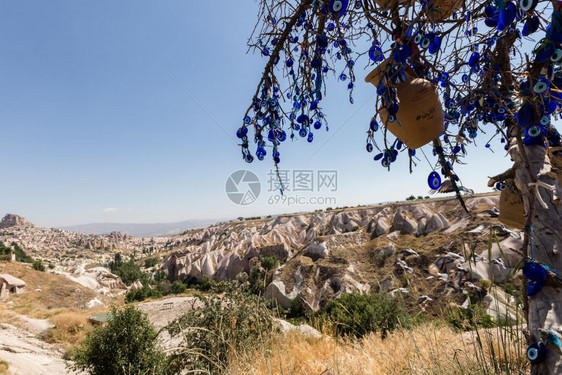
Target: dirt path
[27,355]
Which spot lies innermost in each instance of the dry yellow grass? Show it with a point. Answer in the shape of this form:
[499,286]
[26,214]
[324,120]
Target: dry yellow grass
[70,327]
[427,349]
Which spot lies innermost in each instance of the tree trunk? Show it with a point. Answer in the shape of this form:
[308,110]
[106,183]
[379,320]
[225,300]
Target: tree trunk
[545,242]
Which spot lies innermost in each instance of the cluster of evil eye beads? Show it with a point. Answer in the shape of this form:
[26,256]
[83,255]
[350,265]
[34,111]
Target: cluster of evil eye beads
[537,275]
[305,116]
[540,96]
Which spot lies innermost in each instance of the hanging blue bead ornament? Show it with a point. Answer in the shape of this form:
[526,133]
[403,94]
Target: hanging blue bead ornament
[435,45]
[434,180]
[536,353]
[374,126]
[541,86]
[240,133]
[507,16]
[527,5]
[310,137]
[375,53]
[474,59]
[531,25]
[303,132]
[369,147]
[534,271]
[556,56]
[544,49]
[378,157]
[249,158]
[533,288]
[338,7]
[317,125]
[533,131]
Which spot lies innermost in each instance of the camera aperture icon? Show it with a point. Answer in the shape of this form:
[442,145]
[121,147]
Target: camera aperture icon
[243,187]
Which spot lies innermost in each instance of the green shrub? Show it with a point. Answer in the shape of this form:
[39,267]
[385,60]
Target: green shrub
[178,287]
[358,314]
[268,262]
[237,324]
[209,285]
[150,262]
[38,265]
[129,272]
[472,318]
[21,256]
[142,294]
[355,228]
[125,345]
[296,310]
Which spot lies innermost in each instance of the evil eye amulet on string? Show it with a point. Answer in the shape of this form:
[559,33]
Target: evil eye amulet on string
[434,180]
[534,271]
[533,288]
[536,353]
[338,7]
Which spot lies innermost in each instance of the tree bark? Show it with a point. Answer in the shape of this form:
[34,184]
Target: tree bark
[545,243]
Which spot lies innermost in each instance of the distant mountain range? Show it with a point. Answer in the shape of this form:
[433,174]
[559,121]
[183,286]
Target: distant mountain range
[140,230]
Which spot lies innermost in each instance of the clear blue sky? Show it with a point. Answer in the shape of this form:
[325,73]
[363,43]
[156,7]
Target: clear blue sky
[92,130]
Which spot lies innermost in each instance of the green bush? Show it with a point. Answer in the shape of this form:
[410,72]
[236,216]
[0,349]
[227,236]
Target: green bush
[355,228]
[125,345]
[268,263]
[178,287]
[150,262]
[129,272]
[142,294]
[358,314]
[38,265]
[468,319]
[21,256]
[296,310]
[237,324]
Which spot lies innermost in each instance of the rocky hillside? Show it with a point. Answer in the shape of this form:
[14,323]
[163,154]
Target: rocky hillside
[50,243]
[432,253]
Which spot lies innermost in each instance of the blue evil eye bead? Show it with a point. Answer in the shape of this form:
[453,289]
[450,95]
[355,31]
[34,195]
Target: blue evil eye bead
[543,51]
[533,131]
[343,77]
[247,120]
[425,42]
[310,137]
[241,133]
[418,38]
[533,288]
[507,16]
[289,63]
[545,120]
[536,352]
[338,7]
[369,147]
[317,125]
[501,185]
[249,158]
[435,45]
[541,86]
[358,4]
[282,136]
[492,22]
[465,78]
[531,25]
[378,157]
[556,56]
[375,54]
[434,180]
[474,59]
[303,132]
[527,5]
[303,119]
[374,125]
[534,271]
[385,162]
